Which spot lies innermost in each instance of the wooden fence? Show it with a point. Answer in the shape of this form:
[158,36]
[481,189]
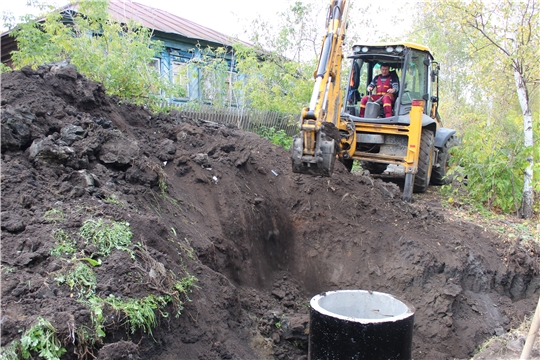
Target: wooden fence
[245,119]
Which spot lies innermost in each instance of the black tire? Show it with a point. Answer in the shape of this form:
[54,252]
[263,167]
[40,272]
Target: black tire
[438,174]
[373,167]
[421,179]
[348,164]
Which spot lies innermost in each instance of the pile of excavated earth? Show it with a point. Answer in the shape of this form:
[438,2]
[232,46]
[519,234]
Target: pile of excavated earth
[226,240]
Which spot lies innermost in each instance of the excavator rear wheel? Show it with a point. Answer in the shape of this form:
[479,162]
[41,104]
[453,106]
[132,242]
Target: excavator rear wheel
[439,174]
[425,159]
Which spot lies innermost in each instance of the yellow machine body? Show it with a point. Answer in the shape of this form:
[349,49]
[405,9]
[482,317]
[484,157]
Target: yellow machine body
[331,127]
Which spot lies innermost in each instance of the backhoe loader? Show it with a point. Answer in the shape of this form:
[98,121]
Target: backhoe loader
[412,137]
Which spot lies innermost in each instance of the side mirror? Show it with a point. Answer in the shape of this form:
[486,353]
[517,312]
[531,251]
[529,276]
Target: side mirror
[436,68]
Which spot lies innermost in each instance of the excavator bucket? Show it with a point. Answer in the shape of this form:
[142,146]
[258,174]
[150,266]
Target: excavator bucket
[321,164]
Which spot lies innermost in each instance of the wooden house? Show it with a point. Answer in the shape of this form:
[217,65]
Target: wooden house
[184,41]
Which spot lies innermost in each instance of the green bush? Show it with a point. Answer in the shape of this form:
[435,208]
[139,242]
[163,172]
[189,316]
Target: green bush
[489,166]
[277,137]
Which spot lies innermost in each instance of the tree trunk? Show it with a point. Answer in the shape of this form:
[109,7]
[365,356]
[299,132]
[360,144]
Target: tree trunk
[527,202]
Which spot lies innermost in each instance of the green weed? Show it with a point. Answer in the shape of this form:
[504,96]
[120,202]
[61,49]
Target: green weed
[41,338]
[64,244]
[113,200]
[11,351]
[276,137]
[7,269]
[82,279]
[187,249]
[162,183]
[278,324]
[92,261]
[54,215]
[181,289]
[139,312]
[184,286]
[95,304]
[107,236]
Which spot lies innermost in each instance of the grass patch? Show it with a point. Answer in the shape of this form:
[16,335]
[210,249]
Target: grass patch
[181,289]
[134,313]
[277,137]
[510,227]
[54,215]
[139,312]
[95,304]
[114,200]
[107,235]
[64,244]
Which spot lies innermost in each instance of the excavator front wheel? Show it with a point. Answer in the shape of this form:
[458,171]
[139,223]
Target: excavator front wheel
[423,175]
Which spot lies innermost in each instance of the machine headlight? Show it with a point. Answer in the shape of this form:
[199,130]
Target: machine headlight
[365,49]
[389,49]
[356,48]
[399,49]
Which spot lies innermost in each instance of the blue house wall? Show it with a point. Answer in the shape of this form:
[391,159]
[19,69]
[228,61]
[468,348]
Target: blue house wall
[184,50]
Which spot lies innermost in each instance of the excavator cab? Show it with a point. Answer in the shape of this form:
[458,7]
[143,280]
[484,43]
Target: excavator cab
[410,65]
[413,137]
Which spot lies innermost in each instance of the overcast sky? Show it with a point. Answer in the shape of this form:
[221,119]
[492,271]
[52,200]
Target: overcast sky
[226,16]
[231,17]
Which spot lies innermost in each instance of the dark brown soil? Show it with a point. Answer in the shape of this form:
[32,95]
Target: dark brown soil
[204,199]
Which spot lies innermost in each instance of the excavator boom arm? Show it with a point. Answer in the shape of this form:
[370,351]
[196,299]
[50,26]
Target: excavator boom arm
[313,151]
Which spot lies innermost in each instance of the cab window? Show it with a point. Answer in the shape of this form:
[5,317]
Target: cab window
[415,83]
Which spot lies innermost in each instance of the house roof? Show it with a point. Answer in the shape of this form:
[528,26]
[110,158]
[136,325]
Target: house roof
[161,20]
[156,19]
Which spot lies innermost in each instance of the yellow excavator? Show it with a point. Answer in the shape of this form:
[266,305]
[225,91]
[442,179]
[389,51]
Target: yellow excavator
[411,137]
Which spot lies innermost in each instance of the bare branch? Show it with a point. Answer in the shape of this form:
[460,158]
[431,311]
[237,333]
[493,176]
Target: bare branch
[487,37]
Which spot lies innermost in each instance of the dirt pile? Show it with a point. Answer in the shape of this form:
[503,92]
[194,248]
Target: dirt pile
[210,201]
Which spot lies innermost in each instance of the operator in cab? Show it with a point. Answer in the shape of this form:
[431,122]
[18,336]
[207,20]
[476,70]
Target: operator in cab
[387,86]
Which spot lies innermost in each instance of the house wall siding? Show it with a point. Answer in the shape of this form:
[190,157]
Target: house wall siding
[183,50]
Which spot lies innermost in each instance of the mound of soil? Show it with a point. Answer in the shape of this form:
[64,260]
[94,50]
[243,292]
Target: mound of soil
[207,200]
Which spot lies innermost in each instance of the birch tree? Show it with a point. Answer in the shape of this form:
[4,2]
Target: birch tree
[512,29]
[503,38]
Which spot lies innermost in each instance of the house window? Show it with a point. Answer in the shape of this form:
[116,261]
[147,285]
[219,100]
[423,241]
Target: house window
[217,86]
[180,78]
[155,63]
[231,79]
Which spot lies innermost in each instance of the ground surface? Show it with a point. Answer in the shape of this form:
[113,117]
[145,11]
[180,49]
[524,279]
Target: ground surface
[223,205]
